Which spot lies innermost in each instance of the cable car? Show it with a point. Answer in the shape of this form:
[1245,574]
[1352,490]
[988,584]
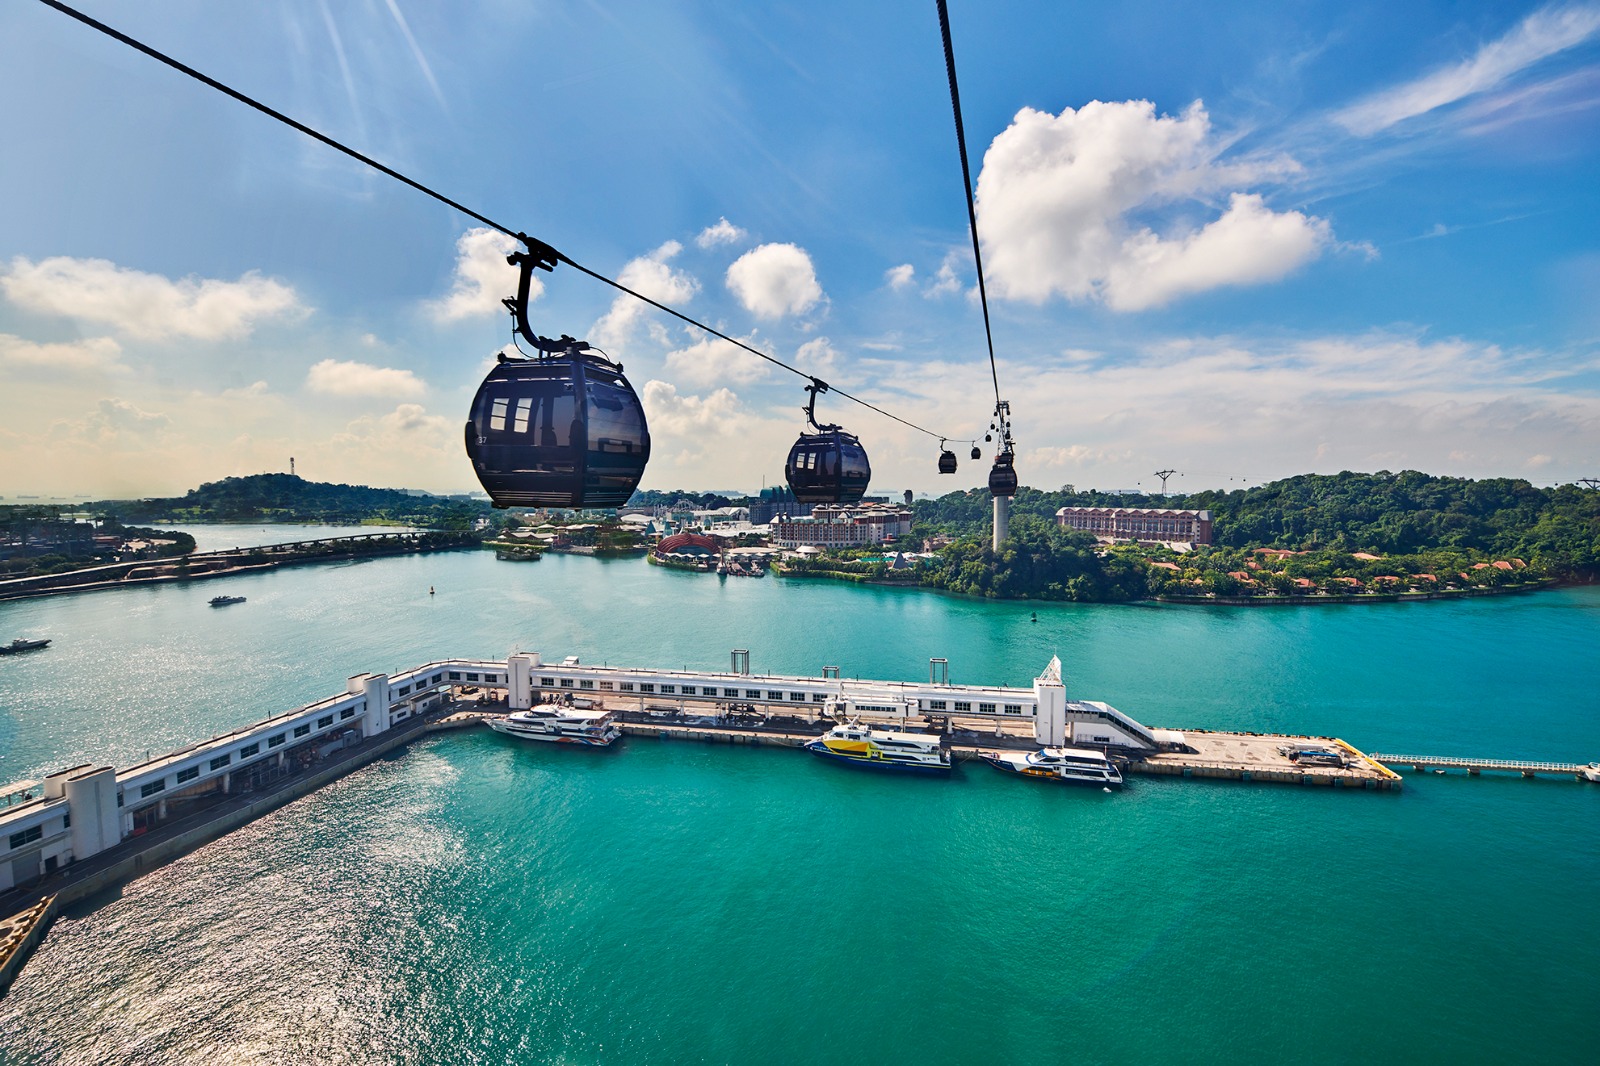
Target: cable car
[977,452]
[828,466]
[947,460]
[562,428]
[1003,476]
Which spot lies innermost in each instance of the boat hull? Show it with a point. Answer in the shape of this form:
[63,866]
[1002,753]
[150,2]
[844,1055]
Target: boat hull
[886,765]
[1005,766]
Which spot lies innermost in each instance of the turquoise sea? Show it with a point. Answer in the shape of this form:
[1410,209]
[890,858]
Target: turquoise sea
[474,900]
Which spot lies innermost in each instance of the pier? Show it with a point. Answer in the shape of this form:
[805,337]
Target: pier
[87,828]
[1475,767]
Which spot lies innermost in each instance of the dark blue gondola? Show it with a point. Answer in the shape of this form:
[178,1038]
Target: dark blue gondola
[947,460]
[562,428]
[828,466]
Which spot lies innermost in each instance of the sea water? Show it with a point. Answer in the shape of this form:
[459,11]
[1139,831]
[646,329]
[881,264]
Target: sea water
[476,899]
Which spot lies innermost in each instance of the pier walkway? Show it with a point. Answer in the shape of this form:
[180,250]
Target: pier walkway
[1474,767]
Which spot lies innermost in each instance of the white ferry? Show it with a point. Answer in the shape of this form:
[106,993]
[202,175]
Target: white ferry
[883,749]
[1077,766]
[560,725]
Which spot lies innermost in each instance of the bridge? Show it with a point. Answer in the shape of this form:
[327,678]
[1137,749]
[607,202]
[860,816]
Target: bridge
[1525,767]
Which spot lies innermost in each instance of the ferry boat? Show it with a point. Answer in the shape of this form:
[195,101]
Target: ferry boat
[223,601]
[883,749]
[560,725]
[22,644]
[1076,766]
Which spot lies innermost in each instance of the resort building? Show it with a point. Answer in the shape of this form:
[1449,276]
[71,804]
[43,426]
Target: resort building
[1147,525]
[838,526]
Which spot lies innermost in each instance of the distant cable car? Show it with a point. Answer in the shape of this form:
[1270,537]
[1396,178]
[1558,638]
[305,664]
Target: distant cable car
[1003,476]
[828,466]
[562,428]
[977,452]
[947,460]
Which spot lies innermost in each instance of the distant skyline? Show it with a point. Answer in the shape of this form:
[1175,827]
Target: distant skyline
[1242,241]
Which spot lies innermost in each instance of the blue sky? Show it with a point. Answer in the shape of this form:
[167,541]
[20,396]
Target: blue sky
[1242,240]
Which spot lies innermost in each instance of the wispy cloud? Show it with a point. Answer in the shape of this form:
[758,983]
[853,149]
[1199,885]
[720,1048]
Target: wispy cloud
[416,52]
[1544,33]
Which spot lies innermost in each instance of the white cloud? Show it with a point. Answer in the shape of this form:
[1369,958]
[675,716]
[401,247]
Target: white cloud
[1059,198]
[483,277]
[902,277]
[945,282]
[1248,244]
[713,361]
[817,356]
[112,422]
[1544,33]
[689,416]
[773,280]
[67,357]
[649,275]
[331,377]
[408,428]
[147,306]
[724,232]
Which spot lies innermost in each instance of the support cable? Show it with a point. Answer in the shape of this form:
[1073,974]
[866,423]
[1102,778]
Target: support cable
[966,184]
[535,246]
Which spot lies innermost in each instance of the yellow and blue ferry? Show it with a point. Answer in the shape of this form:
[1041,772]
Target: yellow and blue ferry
[883,749]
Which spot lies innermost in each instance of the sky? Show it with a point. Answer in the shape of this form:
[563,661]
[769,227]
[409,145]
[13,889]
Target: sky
[1240,241]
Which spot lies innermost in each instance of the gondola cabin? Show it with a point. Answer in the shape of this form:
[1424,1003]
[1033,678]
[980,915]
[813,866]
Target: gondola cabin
[947,462]
[829,466]
[563,429]
[1003,476]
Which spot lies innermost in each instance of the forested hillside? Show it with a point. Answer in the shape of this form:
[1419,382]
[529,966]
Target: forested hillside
[287,498]
[1557,529]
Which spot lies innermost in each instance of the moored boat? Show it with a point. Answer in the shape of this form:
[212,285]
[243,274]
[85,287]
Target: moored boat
[22,644]
[1073,766]
[883,749]
[223,601]
[560,725]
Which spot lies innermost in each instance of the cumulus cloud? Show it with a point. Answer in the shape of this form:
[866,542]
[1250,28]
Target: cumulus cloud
[147,306]
[1059,199]
[331,377]
[68,357]
[112,422]
[482,278]
[1544,33]
[724,232]
[899,278]
[945,282]
[713,361]
[817,356]
[650,275]
[773,280]
[689,416]
[409,428]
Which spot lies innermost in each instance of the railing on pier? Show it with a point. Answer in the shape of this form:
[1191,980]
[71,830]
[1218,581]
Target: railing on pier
[1522,766]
